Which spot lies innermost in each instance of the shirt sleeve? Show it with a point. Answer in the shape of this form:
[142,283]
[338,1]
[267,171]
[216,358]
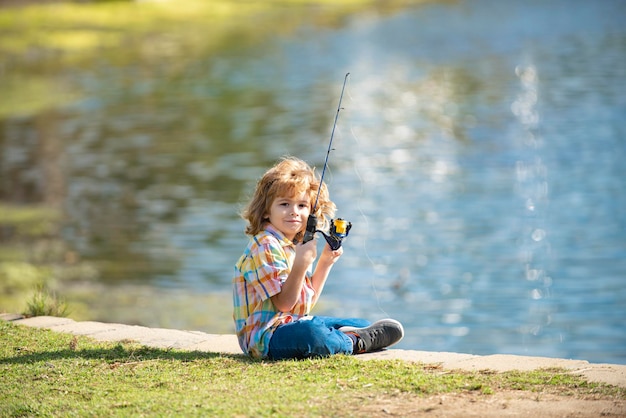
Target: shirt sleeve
[268,270]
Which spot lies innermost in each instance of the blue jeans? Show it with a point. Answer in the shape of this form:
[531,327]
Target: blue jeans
[312,336]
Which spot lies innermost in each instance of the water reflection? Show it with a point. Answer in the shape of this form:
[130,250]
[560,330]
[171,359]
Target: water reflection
[533,191]
[482,175]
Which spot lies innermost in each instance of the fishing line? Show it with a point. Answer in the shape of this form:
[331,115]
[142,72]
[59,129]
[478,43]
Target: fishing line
[361,211]
[339,228]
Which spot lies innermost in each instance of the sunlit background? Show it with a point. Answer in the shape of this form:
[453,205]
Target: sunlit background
[479,156]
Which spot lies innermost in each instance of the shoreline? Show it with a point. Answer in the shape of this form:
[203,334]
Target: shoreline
[613,374]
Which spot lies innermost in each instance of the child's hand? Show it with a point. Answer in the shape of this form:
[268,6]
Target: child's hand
[330,256]
[306,253]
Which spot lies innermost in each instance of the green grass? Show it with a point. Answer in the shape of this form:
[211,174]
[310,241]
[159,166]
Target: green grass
[45,373]
[45,302]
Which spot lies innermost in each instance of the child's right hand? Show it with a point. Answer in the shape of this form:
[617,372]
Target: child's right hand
[306,253]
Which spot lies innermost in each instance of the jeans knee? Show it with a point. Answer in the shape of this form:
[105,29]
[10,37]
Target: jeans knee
[313,331]
[310,338]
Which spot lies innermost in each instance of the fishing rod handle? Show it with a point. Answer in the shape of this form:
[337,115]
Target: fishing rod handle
[311,228]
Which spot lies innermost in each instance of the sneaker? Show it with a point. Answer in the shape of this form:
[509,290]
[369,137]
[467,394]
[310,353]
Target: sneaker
[379,335]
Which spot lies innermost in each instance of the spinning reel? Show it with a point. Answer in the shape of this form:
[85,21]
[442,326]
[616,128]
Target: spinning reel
[339,229]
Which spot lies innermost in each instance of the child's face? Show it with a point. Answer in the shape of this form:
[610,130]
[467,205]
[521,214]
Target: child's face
[289,214]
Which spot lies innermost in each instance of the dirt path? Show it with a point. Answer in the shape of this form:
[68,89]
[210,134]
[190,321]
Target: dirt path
[500,404]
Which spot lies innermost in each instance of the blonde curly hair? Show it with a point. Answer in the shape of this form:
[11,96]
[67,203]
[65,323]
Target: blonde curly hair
[289,177]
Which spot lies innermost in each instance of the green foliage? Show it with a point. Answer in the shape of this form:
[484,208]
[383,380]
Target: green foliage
[64,35]
[49,373]
[19,276]
[28,221]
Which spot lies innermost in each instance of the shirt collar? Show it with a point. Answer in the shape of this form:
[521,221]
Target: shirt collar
[284,241]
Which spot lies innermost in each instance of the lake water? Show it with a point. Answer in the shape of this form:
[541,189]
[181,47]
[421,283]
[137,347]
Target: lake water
[479,156]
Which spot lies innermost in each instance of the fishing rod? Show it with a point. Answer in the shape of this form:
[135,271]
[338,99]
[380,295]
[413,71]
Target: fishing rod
[339,228]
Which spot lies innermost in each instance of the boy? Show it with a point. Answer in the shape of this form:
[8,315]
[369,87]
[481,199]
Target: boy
[275,287]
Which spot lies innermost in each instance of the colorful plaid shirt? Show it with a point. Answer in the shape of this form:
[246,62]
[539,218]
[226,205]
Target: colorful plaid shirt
[259,275]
